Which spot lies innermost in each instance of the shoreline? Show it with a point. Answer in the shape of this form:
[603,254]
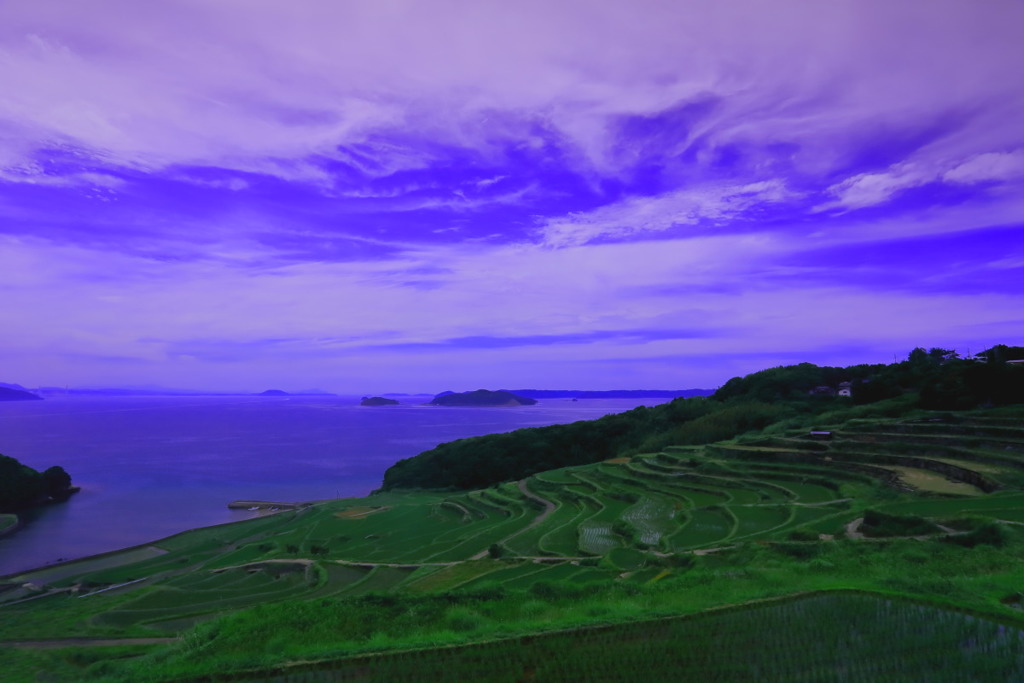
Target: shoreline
[20,523]
[265,505]
[6,578]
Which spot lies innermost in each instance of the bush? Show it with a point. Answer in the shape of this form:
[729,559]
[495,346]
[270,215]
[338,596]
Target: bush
[463,619]
[881,524]
[799,551]
[988,533]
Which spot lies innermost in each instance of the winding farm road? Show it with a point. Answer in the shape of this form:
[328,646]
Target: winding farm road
[83,642]
[853,529]
[549,507]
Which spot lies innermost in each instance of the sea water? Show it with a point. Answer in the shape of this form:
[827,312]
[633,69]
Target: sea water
[153,466]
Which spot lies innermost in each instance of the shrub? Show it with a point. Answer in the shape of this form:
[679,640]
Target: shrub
[988,533]
[883,524]
[463,619]
[799,551]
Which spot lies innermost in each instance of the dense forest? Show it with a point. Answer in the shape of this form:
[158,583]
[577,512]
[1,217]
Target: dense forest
[794,395]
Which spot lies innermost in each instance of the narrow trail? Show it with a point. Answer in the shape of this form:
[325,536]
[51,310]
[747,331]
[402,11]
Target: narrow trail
[400,565]
[305,561]
[822,503]
[853,529]
[853,532]
[549,507]
[83,642]
[466,515]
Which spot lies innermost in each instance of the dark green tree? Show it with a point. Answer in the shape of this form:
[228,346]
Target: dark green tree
[20,485]
[56,481]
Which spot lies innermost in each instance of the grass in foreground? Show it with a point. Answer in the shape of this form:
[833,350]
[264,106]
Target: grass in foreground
[828,636]
[983,579]
[665,534]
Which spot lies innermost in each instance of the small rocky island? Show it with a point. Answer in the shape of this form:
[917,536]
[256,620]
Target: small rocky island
[274,392]
[378,401]
[481,397]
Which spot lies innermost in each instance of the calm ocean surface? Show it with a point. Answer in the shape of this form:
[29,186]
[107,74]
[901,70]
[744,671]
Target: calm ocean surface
[153,466]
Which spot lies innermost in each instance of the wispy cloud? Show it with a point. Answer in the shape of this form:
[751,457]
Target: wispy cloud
[244,84]
[494,305]
[637,215]
[216,189]
[869,189]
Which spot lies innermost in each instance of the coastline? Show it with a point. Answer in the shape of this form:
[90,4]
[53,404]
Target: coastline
[265,505]
[19,523]
[346,459]
[150,545]
[12,526]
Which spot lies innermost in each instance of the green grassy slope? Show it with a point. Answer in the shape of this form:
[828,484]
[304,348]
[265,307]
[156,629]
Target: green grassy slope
[674,531]
[814,637]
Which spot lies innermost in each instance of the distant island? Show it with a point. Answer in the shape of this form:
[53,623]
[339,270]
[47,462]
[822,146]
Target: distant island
[274,392]
[162,391]
[858,513]
[11,394]
[612,393]
[481,397]
[378,401]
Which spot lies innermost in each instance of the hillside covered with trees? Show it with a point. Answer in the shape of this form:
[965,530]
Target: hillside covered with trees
[9,393]
[481,397]
[786,396]
[864,537]
[21,486]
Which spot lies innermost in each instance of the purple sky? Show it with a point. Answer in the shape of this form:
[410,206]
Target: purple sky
[419,196]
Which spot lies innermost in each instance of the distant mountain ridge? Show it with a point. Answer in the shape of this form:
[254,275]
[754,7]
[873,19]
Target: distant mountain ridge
[612,393]
[481,397]
[378,401]
[9,394]
[798,395]
[159,391]
[524,393]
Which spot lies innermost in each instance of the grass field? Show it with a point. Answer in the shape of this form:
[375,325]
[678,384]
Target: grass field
[808,638]
[657,534]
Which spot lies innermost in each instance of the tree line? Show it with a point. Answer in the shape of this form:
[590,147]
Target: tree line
[21,486]
[933,379]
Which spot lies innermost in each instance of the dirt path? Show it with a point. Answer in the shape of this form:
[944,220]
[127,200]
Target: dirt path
[400,565]
[708,551]
[822,503]
[255,565]
[348,563]
[853,529]
[549,507]
[466,515]
[361,512]
[83,642]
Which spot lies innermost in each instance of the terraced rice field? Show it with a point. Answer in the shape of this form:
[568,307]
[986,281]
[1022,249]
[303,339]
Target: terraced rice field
[628,512]
[830,636]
